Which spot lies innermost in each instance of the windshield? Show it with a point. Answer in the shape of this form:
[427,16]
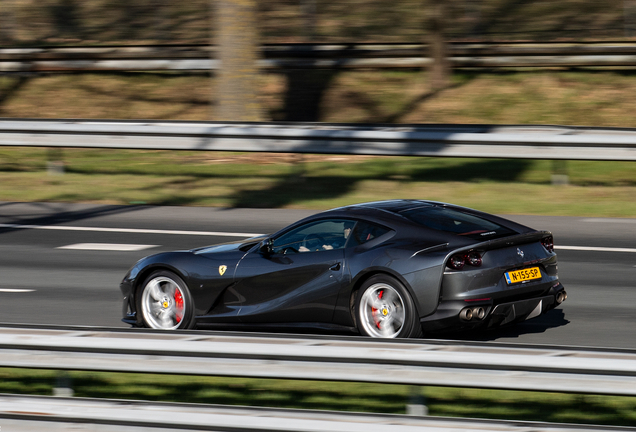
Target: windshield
[456,222]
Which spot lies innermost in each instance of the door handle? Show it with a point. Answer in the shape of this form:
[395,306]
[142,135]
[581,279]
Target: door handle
[335,267]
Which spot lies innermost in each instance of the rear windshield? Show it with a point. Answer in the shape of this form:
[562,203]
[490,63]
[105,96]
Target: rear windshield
[456,222]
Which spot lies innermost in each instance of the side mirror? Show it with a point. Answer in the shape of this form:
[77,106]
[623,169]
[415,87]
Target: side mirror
[267,247]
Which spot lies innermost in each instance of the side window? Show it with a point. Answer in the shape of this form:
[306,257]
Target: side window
[364,232]
[314,236]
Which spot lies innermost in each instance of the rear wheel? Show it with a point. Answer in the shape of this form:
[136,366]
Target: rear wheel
[384,309]
[165,302]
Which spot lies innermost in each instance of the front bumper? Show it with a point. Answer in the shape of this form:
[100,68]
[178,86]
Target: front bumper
[447,316]
[128,313]
[129,316]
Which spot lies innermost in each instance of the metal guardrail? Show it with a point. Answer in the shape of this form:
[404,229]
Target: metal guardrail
[329,56]
[37,413]
[480,141]
[420,362]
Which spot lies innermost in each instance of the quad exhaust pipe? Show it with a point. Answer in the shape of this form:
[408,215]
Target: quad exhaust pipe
[561,297]
[468,313]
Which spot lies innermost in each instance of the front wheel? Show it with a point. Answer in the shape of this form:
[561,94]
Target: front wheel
[384,309]
[165,302]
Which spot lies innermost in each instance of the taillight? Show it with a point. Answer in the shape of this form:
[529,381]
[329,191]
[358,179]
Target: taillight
[474,259]
[458,261]
[548,243]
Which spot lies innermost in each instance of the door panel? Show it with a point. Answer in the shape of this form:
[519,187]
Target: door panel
[296,287]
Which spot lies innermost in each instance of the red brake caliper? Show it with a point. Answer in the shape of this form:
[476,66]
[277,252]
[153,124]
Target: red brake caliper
[178,301]
[375,311]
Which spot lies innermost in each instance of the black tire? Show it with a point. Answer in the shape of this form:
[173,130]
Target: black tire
[164,302]
[385,309]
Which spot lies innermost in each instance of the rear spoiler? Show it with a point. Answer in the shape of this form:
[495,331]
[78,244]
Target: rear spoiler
[499,243]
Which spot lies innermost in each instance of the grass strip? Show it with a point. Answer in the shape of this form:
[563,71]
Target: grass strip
[257,180]
[322,395]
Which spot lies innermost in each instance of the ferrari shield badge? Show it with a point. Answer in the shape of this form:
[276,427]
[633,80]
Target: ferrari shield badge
[222,269]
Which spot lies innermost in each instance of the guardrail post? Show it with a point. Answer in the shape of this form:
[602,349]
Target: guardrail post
[560,172]
[417,402]
[63,385]
[54,162]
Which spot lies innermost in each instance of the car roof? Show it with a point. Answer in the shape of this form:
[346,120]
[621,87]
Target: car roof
[387,212]
[394,206]
[390,212]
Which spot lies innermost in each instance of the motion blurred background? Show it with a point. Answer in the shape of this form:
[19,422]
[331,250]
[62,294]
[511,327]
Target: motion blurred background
[429,61]
[292,21]
[243,31]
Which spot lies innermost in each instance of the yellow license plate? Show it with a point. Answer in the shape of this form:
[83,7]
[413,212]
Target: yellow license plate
[522,275]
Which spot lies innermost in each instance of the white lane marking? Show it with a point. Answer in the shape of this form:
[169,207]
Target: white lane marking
[128,230]
[231,234]
[108,247]
[611,220]
[15,290]
[595,249]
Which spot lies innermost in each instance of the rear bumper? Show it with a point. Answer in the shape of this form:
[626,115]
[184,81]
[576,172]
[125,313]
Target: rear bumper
[447,316]
[507,313]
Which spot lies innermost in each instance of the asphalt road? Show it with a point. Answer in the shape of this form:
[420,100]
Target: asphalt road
[49,277]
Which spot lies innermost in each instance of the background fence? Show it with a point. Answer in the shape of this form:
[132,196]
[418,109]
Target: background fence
[517,142]
[318,56]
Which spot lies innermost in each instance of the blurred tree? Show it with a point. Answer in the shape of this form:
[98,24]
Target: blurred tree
[306,89]
[67,19]
[7,24]
[237,49]
[161,20]
[308,9]
[629,15]
[438,49]
[473,17]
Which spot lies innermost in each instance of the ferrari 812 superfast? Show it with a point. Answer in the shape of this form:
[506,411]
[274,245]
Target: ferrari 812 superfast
[399,268]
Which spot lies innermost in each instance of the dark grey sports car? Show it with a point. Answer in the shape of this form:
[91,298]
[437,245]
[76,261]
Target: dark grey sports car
[387,269]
